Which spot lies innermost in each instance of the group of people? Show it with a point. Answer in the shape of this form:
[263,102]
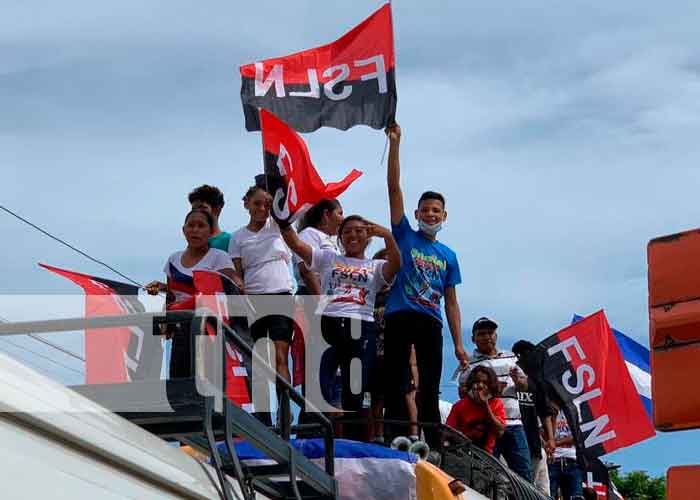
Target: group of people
[503,411]
[396,297]
[414,272]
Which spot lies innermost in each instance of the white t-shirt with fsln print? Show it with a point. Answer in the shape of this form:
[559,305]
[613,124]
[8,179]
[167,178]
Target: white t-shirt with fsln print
[351,284]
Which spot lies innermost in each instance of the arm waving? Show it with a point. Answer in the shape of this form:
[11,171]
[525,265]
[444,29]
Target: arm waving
[393,175]
[296,245]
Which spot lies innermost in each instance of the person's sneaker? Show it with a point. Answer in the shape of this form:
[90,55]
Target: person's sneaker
[379,440]
[414,438]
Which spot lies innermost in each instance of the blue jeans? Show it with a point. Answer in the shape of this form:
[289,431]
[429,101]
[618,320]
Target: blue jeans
[513,446]
[342,351]
[565,473]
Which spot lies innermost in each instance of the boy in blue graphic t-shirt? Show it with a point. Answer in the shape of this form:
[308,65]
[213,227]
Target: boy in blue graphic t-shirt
[413,315]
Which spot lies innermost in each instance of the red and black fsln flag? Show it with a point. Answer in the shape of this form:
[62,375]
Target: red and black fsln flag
[117,354]
[345,83]
[213,290]
[289,176]
[581,367]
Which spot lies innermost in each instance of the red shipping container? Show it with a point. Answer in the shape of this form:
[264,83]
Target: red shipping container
[674,329]
[674,268]
[682,482]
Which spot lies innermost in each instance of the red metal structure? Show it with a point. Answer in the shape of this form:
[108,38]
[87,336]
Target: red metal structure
[674,340]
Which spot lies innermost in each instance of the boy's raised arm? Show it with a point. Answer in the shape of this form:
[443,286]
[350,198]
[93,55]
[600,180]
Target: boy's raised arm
[393,175]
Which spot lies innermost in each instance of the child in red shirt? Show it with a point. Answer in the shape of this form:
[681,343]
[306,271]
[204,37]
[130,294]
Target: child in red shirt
[479,415]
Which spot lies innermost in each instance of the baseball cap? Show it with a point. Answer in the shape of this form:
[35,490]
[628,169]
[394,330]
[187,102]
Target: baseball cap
[484,322]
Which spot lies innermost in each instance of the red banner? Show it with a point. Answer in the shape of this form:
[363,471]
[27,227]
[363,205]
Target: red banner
[344,83]
[212,290]
[290,175]
[582,367]
[114,354]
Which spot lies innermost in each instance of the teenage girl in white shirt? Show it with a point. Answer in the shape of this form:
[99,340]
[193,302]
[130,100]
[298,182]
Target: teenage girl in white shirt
[261,260]
[179,270]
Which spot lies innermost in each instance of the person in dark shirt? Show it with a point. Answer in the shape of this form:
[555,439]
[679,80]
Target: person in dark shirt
[535,409]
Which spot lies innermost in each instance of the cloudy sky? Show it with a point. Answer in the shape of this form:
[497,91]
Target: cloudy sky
[563,134]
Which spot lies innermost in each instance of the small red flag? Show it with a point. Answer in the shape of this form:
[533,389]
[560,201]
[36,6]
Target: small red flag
[118,354]
[290,176]
[212,289]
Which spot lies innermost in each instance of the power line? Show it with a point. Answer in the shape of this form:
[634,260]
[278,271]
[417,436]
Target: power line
[57,347]
[17,346]
[70,246]
[51,344]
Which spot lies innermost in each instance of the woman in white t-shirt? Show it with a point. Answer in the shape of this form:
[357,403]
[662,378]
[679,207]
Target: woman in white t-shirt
[318,228]
[261,260]
[179,270]
[351,282]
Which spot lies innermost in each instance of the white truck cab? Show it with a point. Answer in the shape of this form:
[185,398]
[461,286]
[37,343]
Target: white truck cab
[57,444]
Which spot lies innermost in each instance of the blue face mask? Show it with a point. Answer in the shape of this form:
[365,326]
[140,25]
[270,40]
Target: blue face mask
[430,229]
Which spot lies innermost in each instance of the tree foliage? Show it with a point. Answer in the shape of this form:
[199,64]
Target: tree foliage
[637,485]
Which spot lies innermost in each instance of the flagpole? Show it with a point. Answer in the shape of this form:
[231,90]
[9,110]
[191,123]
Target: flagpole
[393,42]
[262,146]
[393,37]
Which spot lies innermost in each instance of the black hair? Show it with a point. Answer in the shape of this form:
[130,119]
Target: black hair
[207,215]
[522,347]
[210,195]
[252,190]
[314,215]
[432,195]
[530,357]
[347,219]
[492,379]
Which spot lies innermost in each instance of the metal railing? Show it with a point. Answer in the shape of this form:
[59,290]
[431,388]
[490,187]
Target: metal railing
[235,419]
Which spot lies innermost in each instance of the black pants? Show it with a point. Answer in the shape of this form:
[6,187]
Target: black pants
[404,329]
[181,351]
[276,328]
[343,349]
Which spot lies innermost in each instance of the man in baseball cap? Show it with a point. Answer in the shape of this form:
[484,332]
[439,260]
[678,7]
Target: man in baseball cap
[513,444]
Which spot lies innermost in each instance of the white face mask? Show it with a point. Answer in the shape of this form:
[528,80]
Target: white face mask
[431,229]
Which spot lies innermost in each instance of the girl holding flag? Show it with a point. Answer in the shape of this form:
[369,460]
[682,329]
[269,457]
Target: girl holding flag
[351,281]
[180,290]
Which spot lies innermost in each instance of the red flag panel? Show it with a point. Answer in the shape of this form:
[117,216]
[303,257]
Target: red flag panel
[113,355]
[211,290]
[291,177]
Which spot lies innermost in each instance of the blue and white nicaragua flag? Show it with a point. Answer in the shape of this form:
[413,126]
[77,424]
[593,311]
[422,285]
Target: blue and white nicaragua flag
[362,470]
